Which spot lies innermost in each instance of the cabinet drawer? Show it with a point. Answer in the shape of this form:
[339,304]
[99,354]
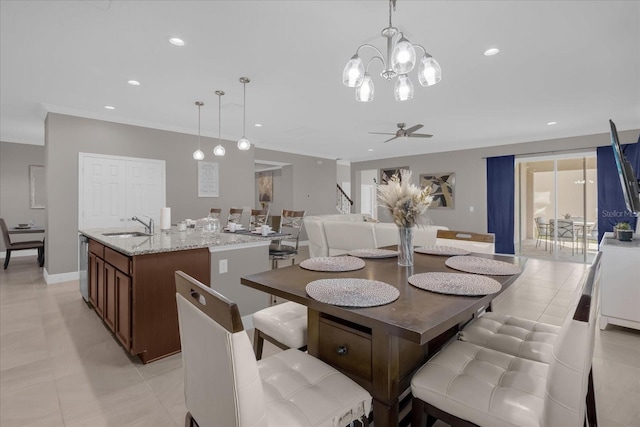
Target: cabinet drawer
[345,348]
[96,248]
[119,261]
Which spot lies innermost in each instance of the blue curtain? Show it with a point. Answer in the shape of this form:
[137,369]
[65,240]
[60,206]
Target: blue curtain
[500,201]
[611,206]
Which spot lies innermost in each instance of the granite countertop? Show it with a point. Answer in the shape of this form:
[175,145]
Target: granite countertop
[170,241]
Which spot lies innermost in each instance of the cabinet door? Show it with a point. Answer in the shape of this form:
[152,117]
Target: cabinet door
[123,311]
[93,280]
[99,305]
[110,296]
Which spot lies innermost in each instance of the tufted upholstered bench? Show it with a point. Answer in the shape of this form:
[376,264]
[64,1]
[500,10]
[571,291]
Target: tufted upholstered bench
[513,372]
[225,386]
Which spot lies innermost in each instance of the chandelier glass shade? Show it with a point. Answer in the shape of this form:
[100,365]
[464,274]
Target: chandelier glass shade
[243,143]
[198,154]
[400,61]
[219,150]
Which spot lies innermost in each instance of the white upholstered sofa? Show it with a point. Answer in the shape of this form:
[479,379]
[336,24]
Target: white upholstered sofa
[337,234]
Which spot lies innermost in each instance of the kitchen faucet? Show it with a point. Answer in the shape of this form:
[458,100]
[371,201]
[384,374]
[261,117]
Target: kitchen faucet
[147,227]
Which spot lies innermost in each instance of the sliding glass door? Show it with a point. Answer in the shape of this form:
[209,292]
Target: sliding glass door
[556,207]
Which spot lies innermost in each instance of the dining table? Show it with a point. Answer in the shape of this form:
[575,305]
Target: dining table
[380,347]
[26,230]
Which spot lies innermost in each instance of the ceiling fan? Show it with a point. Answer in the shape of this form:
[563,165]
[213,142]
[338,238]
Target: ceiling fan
[406,133]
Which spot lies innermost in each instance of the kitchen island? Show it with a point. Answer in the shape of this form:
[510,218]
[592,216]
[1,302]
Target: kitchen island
[132,288]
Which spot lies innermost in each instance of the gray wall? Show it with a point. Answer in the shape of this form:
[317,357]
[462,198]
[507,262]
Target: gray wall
[66,136]
[14,187]
[470,169]
[307,183]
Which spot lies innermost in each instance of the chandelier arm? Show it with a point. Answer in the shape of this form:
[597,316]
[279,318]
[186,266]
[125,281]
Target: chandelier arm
[379,56]
[366,68]
[427,54]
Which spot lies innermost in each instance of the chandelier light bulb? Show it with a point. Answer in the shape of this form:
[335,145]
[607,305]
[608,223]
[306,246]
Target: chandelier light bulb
[366,91]
[198,154]
[219,150]
[429,72]
[353,73]
[403,90]
[403,57]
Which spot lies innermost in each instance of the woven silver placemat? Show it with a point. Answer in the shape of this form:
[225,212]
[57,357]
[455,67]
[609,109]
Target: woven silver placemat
[477,265]
[455,283]
[373,253]
[352,292]
[442,250]
[337,263]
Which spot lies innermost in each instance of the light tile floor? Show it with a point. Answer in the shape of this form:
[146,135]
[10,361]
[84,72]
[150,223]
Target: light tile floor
[60,367]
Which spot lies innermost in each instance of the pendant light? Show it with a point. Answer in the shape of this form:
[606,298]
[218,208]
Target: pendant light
[400,60]
[198,154]
[243,143]
[219,149]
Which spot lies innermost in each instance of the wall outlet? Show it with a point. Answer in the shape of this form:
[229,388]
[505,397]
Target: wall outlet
[222,266]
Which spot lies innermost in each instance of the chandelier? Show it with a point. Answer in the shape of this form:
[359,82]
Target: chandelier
[401,59]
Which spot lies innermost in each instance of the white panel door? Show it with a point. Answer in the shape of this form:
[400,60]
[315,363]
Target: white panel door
[113,189]
[102,190]
[145,188]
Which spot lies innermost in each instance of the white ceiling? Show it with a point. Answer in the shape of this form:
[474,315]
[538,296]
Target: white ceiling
[573,62]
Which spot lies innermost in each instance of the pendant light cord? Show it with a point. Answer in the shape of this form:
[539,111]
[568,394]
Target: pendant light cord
[219,116]
[244,109]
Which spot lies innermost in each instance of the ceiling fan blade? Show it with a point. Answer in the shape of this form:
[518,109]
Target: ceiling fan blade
[382,133]
[413,128]
[391,139]
[419,135]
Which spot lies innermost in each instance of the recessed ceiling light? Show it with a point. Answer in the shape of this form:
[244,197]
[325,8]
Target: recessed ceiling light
[258,125]
[109,107]
[370,149]
[552,123]
[134,82]
[491,52]
[176,41]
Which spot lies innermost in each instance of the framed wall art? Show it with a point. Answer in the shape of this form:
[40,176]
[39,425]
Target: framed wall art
[37,188]
[385,174]
[442,189]
[208,179]
[265,186]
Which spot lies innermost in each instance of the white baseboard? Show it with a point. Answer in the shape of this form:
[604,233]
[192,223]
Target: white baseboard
[51,279]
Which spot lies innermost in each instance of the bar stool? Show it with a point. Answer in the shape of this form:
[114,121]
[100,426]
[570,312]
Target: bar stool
[258,218]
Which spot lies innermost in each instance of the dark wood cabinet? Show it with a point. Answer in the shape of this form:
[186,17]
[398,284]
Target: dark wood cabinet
[110,305]
[93,280]
[99,305]
[123,301]
[135,295]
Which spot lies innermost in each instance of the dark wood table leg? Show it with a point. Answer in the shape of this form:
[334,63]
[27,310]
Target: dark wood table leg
[386,378]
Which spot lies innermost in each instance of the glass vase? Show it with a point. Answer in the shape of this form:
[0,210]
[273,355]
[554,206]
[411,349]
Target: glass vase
[405,246]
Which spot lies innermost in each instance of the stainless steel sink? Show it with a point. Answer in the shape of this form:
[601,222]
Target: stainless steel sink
[125,234]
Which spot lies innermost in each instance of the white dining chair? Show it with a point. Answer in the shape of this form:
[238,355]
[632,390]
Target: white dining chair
[225,386]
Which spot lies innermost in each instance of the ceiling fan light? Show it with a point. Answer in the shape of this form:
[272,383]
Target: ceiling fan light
[403,89]
[244,144]
[353,73]
[366,91]
[219,150]
[403,57]
[429,72]
[198,154]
